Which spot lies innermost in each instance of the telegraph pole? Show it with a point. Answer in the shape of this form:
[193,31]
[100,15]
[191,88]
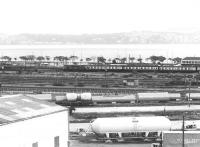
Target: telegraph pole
[105,75]
[183,130]
[189,94]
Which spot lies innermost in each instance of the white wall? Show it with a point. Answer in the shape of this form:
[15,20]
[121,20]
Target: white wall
[40,129]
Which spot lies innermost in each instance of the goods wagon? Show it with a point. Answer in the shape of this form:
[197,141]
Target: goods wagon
[85,99]
[126,128]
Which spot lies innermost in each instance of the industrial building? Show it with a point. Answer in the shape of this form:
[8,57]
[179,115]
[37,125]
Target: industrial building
[29,122]
[190,60]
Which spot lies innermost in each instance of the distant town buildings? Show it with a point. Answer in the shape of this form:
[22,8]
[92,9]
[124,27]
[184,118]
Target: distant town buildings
[190,60]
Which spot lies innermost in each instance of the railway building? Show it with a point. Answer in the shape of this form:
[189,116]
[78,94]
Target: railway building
[29,122]
[191,61]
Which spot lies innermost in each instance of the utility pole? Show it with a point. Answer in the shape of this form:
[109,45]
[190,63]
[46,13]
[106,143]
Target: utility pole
[105,75]
[183,130]
[189,93]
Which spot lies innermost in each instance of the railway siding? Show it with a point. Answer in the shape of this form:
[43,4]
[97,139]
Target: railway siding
[53,89]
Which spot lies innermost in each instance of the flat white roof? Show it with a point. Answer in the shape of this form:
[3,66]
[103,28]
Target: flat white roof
[21,107]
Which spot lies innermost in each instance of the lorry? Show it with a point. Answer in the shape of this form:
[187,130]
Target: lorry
[177,139]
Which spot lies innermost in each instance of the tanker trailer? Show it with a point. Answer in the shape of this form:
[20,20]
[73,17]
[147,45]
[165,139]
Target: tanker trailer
[85,99]
[66,100]
[153,96]
[130,128]
[114,99]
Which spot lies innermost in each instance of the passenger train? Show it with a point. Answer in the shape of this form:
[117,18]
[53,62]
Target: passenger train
[99,67]
[131,68]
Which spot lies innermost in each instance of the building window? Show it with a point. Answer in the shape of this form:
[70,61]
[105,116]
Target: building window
[56,141]
[35,144]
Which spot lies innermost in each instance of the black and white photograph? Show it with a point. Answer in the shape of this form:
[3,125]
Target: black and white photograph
[99,73]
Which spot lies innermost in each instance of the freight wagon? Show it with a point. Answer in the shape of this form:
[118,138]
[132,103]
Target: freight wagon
[130,128]
[86,99]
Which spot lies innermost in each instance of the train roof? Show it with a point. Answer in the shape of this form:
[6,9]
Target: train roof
[191,58]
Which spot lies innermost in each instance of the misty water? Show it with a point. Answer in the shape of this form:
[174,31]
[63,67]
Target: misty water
[82,51]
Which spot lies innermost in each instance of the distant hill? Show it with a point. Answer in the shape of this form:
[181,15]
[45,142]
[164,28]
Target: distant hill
[114,38]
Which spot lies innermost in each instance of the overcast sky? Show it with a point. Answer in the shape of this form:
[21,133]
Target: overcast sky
[98,16]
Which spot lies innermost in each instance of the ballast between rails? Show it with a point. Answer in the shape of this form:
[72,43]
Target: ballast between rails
[93,90]
[34,89]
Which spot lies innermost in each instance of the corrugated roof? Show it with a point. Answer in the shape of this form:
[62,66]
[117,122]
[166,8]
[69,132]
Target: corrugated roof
[21,107]
[191,58]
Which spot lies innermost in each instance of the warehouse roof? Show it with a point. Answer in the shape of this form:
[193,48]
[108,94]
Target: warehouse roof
[191,58]
[20,107]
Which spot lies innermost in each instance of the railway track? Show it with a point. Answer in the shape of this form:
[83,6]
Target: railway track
[93,90]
